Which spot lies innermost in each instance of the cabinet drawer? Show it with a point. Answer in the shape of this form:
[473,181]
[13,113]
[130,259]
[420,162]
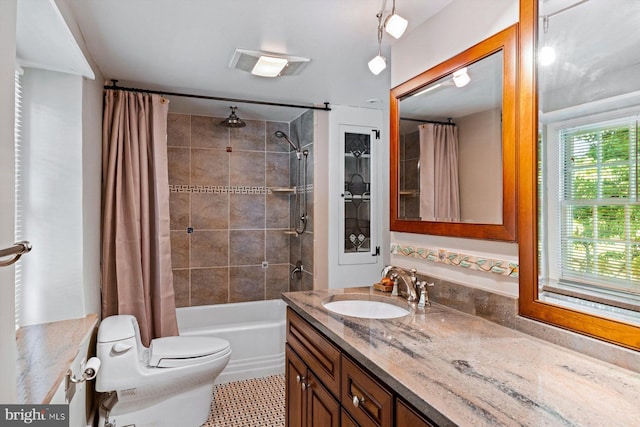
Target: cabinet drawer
[369,403]
[322,357]
[407,417]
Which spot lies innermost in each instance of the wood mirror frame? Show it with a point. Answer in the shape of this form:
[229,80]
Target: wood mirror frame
[505,41]
[613,331]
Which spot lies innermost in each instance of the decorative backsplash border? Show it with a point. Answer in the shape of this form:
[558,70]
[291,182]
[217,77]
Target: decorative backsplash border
[470,262]
[224,189]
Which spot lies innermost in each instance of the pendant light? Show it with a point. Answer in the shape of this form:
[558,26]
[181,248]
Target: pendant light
[378,63]
[393,24]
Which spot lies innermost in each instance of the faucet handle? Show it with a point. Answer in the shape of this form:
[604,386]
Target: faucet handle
[424,297]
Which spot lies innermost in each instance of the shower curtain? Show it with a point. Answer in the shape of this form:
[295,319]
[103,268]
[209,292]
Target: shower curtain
[136,249]
[439,187]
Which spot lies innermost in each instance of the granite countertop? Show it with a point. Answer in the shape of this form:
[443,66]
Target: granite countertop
[45,352]
[459,369]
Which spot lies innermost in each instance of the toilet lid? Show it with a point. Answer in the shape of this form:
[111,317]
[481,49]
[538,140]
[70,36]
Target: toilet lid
[179,351]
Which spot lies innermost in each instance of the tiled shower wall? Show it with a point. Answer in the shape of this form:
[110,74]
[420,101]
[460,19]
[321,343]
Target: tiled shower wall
[228,237]
[302,130]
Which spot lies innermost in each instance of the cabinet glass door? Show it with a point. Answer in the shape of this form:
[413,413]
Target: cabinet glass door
[358,230]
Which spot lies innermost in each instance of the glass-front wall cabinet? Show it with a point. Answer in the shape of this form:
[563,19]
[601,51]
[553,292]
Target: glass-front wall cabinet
[358,175]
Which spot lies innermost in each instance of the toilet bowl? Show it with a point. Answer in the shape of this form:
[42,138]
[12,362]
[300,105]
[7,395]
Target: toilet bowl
[168,384]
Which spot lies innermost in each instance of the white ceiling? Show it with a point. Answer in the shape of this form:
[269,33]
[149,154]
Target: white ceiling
[186,46]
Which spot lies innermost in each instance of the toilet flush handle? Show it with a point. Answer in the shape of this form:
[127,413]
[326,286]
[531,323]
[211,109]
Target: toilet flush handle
[120,348]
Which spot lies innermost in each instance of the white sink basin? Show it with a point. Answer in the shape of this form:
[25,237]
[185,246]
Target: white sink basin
[366,309]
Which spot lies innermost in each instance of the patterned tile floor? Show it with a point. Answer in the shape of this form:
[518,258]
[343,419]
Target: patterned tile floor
[257,402]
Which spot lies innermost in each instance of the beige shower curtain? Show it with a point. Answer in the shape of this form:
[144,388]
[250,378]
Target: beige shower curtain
[136,250]
[439,187]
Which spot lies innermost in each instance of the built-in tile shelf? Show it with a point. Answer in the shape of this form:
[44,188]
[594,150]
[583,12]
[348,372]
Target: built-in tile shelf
[283,190]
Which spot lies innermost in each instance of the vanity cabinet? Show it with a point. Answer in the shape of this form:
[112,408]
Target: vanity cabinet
[309,403]
[370,404]
[407,417]
[325,388]
[312,370]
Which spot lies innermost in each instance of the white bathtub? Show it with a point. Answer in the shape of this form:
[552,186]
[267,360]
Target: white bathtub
[256,331]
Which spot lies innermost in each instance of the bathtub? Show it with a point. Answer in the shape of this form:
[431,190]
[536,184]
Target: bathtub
[256,331]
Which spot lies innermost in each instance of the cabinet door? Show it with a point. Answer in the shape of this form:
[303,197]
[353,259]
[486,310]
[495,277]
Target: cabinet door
[315,350]
[322,409]
[407,417]
[347,421]
[296,371]
[357,211]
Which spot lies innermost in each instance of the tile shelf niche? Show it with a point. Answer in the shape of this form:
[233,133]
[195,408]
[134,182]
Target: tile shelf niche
[283,190]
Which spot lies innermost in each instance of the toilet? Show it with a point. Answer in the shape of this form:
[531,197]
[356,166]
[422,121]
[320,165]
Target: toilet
[168,384]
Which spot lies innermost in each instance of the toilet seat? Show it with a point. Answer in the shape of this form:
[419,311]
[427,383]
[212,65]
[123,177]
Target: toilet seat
[173,352]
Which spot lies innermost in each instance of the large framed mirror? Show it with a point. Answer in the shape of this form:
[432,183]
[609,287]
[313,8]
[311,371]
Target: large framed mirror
[579,181]
[453,138]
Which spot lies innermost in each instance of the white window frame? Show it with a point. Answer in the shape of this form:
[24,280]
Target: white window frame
[552,192]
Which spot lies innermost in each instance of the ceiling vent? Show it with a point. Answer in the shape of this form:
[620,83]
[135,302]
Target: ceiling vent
[277,64]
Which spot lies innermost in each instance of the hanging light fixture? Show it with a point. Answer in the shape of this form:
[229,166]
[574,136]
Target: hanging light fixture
[547,54]
[393,24]
[461,77]
[378,63]
[233,121]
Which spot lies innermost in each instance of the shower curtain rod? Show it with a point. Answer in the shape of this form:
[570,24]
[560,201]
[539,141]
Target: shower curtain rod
[114,85]
[450,123]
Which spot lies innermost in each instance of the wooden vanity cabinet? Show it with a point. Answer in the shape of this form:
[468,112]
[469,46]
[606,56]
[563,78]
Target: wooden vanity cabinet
[312,369]
[346,420]
[407,417]
[369,403]
[325,388]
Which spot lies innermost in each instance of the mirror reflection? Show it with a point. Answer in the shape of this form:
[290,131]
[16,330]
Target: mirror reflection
[450,147]
[589,111]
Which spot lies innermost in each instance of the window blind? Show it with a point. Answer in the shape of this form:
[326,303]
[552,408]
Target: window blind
[600,214]
[18,191]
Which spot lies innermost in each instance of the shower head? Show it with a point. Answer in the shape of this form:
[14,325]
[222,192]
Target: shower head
[233,121]
[280,134]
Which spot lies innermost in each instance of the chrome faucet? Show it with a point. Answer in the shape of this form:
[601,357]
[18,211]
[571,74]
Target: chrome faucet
[407,279]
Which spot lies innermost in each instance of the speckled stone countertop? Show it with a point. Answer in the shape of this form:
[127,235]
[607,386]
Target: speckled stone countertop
[45,352]
[459,369]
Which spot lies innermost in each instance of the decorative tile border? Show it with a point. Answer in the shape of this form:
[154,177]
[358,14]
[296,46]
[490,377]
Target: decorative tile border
[470,262]
[225,189]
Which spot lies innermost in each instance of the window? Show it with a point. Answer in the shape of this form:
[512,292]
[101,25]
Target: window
[592,229]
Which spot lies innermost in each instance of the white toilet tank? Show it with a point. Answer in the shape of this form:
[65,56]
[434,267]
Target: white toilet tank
[121,353]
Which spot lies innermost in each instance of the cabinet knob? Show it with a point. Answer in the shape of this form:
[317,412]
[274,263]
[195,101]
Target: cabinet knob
[357,401]
[299,378]
[305,386]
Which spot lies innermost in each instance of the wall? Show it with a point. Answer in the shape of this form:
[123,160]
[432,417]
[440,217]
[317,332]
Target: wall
[92,100]
[7,291]
[436,40]
[355,273]
[238,222]
[302,246]
[480,163]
